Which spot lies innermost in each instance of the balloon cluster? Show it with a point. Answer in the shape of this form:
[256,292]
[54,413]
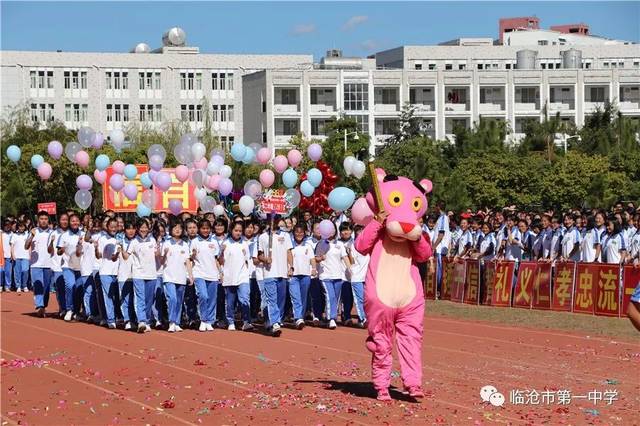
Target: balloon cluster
[316,185]
[354,167]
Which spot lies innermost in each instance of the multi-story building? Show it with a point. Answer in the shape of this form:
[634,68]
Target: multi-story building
[113,90]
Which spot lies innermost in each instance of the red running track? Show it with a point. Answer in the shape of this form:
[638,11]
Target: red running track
[59,373]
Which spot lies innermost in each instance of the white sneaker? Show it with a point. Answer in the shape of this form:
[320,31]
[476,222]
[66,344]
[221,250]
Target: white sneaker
[147,328]
[127,326]
[209,327]
[247,326]
[142,327]
[316,322]
[177,327]
[158,324]
[332,325]
[18,290]
[172,328]
[275,330]
[231,327]
[300,324]
[203,326]
[112,325]
[68,316]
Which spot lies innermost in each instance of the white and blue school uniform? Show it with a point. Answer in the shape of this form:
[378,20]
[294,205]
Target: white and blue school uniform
[612,248]
[547,237]
[331,271]
[466,239]
[41,266]
[556,242]
[528,241]
[346,294]
[235,279]
[602,236]
[175,277]
[358,273]
[513,249]
[89,267]
[142,252]
[315,289]
[455,238]
[487,246]
[70,263]
[258,289]
[8,263]
[628,235]
[634,248]
[159,309]
[570,241]
[300,281]
[442,249]
[125,282]
[108,271]
[57,280]
[255,293]
[275,274]
[206,275]
[21,259]
[588,246]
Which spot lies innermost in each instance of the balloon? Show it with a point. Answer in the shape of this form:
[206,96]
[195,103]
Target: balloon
[218,210]
[44,171]
[267,177]
[188,139]
[293,196]
[201,164]
[36,160]
[314,151]
[84,182]
[348,164]
[175,206]
[327,229]
[217,159]
[98,140]
[253,188]
[102,162]
[143,210]
[82,159]
[86,135]
[246,205]
[149,198]
[295,157]
[116,182]
[14,153]
[182,152]
[314,176]
[156,162]
[280,163]
[290,178]
[213,182]
[225,171]
[55,150]
[198,150]
[157,150]
[238,151]
[83,198]
[358,169]
[306,188]
[182,173]
[130,191]
[100,176]
[263,155]
[118,167]
[208,204]
[117,137]
[198,177]
[341,198]
[361,213]
[130,171]
[218,152]
[213,167]
[163,181]
[225,186]
[71,149]
[199,193]
[249,156]
[145,180]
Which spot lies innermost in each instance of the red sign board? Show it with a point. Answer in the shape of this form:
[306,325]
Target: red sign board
[472,283]
[489,276]
[630,279]
[502,282]
[523,292]
[584,288]
[430,283]
[49,207]
[563,286]
[607,293]
[457,282]
[542,287]
[273,201]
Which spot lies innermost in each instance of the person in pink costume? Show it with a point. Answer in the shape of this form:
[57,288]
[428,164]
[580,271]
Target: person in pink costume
[394,298]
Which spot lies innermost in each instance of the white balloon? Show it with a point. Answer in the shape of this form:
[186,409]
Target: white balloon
[207,204]
[199,193]
[358,169]
[218,210]
[198,150]
[213,168]
[198,177]
[182,152]
[117,137]
[246,205]
[348,164]
[225,171]
[188,139]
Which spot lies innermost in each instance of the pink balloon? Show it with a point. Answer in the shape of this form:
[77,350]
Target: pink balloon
[361,213]
[116,182]
[84,182]
[44,171]
[263,156]
[295,157]
[100,176]
[267,177]
[82,159]
[280,163]
[182,173]
[131,191]
[118,167]
[201,164]
[213,182]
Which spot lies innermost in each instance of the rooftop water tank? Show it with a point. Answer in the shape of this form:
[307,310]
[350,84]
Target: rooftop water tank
[526,59]
[174,37]
[571,58]
[141,48]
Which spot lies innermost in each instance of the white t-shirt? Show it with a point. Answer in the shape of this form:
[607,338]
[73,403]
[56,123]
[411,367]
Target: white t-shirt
[88,260]
[40,256]
[6,244]
[333,267]
[302,255]
[570,239]
[465,238]
[56,260]
[281,244]
[359,267]
[143,255]
[175,265]
[125,267]
[236,262]
[69,241]
[253,252]
[107,247]
[488,241]
[252,243]
[17,242]
[513,250]
[588,246]
[635,245]
[556,238]
[442,225]
[204,262]
[612,247]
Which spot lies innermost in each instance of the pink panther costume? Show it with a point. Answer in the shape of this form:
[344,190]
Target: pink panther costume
[394,298]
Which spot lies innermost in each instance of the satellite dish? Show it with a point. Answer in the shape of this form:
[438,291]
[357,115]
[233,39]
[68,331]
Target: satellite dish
[141,48]
[174,37]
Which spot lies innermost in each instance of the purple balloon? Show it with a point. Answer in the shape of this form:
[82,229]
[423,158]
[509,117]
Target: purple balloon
[163,181]
[152,175]
[116,182]
[175,207]
[84,182]
[131,191]
[327,229]
[98,140]
[314,151]
[225,186]
[55,149]
[156,162]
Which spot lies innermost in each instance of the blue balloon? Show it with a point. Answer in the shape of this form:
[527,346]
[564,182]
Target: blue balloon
[341,198]
[14,153]
[143,210]
[290,178]
[238,151]
[249,156]
[102,162]
[36,160]
[130,171]
[306,188]
[314,176]
[145,180]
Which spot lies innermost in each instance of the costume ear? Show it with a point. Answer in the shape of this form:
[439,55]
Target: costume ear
[380,174]
[427,185]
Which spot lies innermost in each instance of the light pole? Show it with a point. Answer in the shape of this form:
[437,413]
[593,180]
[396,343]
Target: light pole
[566,138]
[355,137]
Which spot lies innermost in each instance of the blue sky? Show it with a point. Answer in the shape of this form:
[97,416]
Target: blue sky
[359,28]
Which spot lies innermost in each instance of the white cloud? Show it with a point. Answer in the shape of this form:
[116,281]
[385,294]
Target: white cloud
[354,21]
[301,29]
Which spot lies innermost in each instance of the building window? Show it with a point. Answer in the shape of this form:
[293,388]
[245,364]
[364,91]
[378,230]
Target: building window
[75,80]
[432,66]
[597,94]
[230,113]
[158,113]
[34,112]
[183,81]
[108,80]
[289,96]
[191,113]
[118,112]
[223,113]
[34,79]
[229,81]
[289,127]
[362,122]
[457,96]
[148,80]
[418,66]
[214,81]
[83,80]
[187,81]
[388,96]
[356,97]
[109,112]
[199,112]
[543,42]
[215,109]
[199,81]
[462,66]
[76,112]
[528,95]
[507,66]
[157,79]
[151,112]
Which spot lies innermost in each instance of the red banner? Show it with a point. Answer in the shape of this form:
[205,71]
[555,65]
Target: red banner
[523,292]
[447,277]
[607,294]
[630,280]
[489,276]
[49,207]
[502,283]
[563,286]
[542,287]
[585,286]
[472,282]
[457,282]
[116,201]
[430,283]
